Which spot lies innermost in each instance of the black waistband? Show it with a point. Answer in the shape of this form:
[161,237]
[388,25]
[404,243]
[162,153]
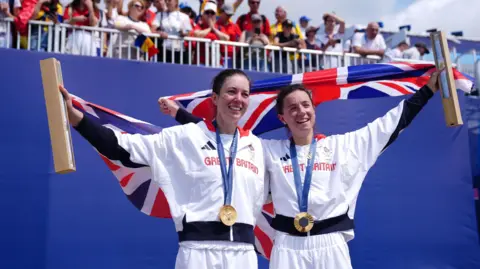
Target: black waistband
[335,224]
[216,231]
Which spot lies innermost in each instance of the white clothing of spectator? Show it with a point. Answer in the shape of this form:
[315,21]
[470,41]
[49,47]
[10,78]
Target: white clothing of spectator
[369,43]
[113,9]
[172,22]
[417,52]
[331,39]
[6,33]
[395,53]
[304,20]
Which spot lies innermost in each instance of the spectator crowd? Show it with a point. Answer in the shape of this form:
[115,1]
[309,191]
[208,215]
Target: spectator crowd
[173,21]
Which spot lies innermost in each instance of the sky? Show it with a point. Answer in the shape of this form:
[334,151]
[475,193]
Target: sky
[446,15]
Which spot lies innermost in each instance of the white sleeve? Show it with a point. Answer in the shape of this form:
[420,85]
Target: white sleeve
[156,21]
[267,195]
[268,166]
[382,45]
[364,146]
[361,148]
[132,150]
[357,40]
[142,149]
[144,26]
[187,26]
[120,21]
[17,3]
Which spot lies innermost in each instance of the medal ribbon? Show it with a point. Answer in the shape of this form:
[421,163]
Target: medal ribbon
[302,192]
[227,176]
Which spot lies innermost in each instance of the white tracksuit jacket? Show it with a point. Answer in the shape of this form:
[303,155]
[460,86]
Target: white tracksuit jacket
[341,164]
[184,162]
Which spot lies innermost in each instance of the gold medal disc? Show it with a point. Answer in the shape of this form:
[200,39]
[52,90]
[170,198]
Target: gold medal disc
[228,215]
[303,222]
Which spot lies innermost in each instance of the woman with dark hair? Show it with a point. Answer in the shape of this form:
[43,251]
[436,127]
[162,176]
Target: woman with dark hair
[315,180]
[214,208]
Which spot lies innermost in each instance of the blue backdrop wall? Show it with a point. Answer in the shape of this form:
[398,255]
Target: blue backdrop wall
[416,209]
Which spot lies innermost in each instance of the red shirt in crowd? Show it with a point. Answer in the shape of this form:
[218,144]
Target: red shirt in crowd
[72,13]
[244,22]
[212,36]
[233,31]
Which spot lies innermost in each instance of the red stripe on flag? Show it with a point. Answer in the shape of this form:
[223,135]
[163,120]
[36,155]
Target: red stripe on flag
[110,164]
[323,85]
[328,76]
[258,111]
[160,207]
[265,241]
[458,75]
[113,112]
[205,110]
[268,208]
[126,179]
[395,87]
[77,104]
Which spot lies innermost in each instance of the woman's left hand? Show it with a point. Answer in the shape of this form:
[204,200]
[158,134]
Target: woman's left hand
[434,81]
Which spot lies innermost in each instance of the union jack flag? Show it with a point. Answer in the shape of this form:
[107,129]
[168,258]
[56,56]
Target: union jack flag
[367,81]
[353,82]
[137,184]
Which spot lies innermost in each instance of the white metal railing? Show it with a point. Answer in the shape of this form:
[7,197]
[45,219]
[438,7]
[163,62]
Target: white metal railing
[283,60]
[112,43]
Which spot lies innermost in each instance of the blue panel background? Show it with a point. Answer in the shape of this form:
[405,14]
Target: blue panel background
[416,208]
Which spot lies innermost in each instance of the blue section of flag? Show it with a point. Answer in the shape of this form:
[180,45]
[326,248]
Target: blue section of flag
[139,40]
[366,92]
[262,85]
[137,198]
[369,72]
[129,127]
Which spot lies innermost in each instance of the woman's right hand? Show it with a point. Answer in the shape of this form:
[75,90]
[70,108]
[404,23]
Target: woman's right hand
[168,107]
[74,115]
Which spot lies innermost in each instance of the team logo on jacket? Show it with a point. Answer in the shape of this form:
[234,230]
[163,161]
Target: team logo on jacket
[285,158]
[251,151]
[208,146]
[325,154]
[323,161]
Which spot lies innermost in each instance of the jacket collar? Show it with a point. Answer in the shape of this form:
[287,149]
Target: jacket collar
[244,139]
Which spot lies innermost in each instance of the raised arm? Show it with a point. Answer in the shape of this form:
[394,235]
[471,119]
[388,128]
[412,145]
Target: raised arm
[182,116]
[133,150]
[366,144]
[360,149]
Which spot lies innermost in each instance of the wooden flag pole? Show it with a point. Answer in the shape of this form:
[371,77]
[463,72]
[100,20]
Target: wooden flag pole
[448,91]
[58,122]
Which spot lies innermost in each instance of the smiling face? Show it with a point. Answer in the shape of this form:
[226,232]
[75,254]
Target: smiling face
[298,113]
[136,10]
[233,98]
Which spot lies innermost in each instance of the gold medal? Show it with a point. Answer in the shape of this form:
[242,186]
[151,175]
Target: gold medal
[228,215]
[303,222]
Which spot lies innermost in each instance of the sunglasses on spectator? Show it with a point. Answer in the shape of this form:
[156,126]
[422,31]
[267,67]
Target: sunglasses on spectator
[254,2]
[139,6]
[209,12]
